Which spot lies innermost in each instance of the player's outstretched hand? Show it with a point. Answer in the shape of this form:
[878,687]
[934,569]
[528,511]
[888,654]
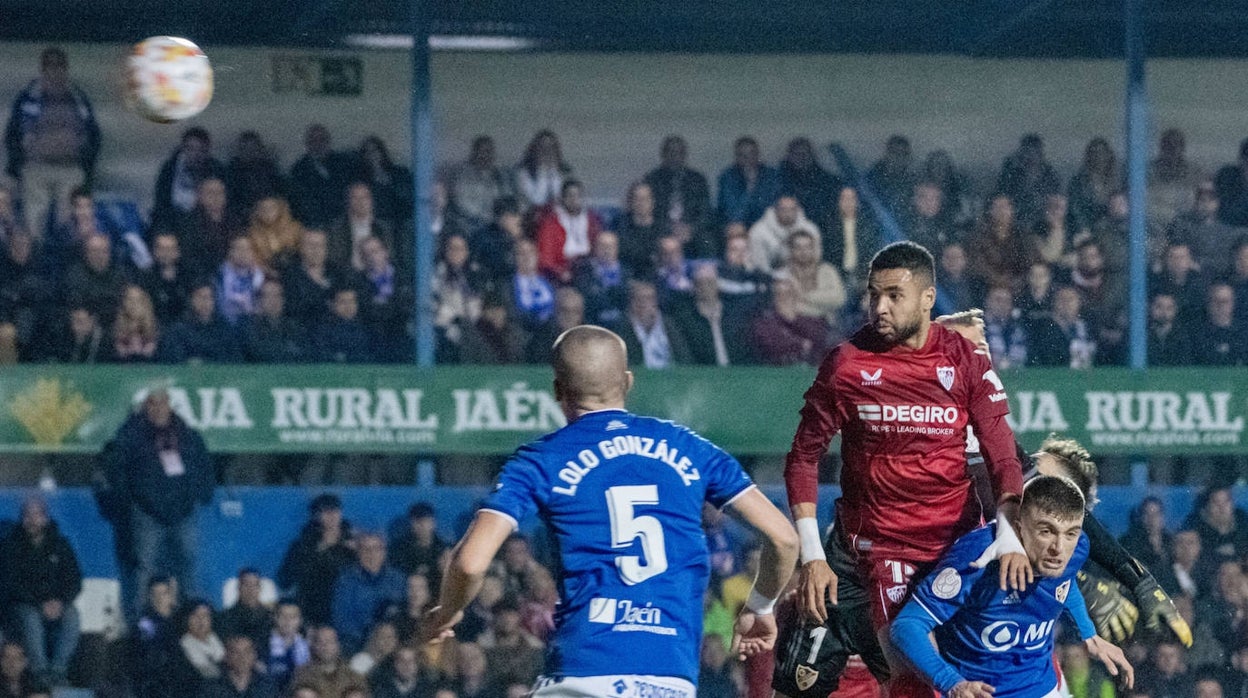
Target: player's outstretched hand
[970,689]
[816,587]
[1016,571]
[753,634]
[1112,612]
[1114,660]
[1158,609]
[436,625]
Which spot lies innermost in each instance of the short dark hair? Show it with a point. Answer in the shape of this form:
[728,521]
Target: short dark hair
[907,255]
[506,204]
[249,570]
[569,183]
[1058,496]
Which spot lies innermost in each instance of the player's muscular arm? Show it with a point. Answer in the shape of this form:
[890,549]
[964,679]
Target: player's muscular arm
[816,582]
[462,580]
[755,628]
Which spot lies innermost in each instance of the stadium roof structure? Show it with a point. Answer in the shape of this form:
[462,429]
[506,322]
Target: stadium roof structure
[988,28]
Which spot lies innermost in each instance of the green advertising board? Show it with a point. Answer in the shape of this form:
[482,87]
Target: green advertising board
[487,410]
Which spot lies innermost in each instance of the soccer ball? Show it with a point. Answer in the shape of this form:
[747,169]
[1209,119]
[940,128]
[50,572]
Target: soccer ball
[168,79]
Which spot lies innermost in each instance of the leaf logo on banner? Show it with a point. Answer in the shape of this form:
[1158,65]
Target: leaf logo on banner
[49,411]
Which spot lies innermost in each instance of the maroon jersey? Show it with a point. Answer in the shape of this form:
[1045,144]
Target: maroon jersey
[902,414]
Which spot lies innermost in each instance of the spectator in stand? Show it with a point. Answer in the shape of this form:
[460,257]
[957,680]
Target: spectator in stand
[365,592]
[652,339]
[457,288]
[135,330]
[155,636]
[1073,344]
[1223,341]
[40,581]
[205,232]
[1003,252]
[386,303]
[476,184]
[1169,339]
[177,185]
[1049,233]
[818,285]
[1005,331]
[287,648]
[1231,184]
[311,281]
[601,279]
[16,679]
[86,219]
[743,288]
[203,336]
[1028,179]
[681,201]
[568,312]
[249,616]
[238,282]
[275,234]
[96,281]
[417,601]
[1166,673]
[319,178]
[1238,280]
[270,336]
[360,221]
[343,338]
[53,142]
[925,221]
[955,279]
[849,240]
[1147,539]
[493,339]
[202,650]
[327,673]
[783,336]
[1181,278]
[1098,178]
[802,176]
[640,229]
[892,176]
[26,295]
[531,293]
[511,652]
[1210,239]
[404,681]
[374,657]
[1172,178]
[161,467]
[1104,299]
[565,232]
[674,276]
[1191,574]
[79,339]
[252,173]
[715,336]
[471,677]
[1113,231]
[1036,299]
[313,561]
[419,549]
[938,168]
[390,183]
[1222,612]
[168,281]
[240,679]
[1222,527]
[747,187]
[770,235]
[494,246]
[541,173]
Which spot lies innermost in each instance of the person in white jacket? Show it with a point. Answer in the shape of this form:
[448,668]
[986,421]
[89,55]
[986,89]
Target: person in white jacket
[819,284]
[770,235]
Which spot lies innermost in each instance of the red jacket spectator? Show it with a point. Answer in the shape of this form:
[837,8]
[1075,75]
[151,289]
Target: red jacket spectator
[565,231]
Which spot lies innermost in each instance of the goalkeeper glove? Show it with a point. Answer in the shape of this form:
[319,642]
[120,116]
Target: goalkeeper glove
[1112,612]
[1158,610]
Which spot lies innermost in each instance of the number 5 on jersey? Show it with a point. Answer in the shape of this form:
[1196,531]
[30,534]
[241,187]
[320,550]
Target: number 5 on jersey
[626,528]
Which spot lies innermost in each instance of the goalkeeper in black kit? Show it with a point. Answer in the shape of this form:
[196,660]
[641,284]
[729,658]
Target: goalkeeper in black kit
[1118,590]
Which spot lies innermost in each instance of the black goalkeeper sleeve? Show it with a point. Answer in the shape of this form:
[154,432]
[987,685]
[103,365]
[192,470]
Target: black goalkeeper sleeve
[1109,554]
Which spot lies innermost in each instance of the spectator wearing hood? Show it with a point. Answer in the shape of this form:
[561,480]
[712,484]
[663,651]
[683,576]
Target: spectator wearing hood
[770,235]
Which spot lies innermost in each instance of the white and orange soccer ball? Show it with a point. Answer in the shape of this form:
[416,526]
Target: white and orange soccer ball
[168,79]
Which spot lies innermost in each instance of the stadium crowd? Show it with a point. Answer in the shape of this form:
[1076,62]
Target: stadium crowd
[246,260]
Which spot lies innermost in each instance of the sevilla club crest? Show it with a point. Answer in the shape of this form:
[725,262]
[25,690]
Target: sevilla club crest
[945,375]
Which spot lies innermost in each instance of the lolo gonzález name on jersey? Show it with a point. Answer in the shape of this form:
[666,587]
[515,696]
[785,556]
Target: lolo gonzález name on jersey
[936,420]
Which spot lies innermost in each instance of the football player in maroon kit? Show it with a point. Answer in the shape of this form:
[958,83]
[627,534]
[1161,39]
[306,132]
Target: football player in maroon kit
[901,392]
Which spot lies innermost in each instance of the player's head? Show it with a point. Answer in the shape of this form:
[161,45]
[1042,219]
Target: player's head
[1050,519]
[901,289]
[969,324]
[591,370]
[1067,458]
